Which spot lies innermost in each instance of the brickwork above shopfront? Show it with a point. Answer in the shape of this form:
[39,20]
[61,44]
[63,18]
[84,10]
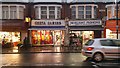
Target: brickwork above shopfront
[13,25]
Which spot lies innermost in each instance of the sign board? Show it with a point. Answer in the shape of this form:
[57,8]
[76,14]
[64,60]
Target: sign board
[48,23]
[85,23]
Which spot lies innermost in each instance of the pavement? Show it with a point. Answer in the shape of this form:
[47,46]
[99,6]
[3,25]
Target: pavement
[47,49]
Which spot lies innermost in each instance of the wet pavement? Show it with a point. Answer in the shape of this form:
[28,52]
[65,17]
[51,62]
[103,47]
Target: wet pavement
[48,49]
[38,59]
[50,57]
[53,60]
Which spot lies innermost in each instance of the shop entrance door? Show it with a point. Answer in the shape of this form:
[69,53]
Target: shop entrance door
[58,37]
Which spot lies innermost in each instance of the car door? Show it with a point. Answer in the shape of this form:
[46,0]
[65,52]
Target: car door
[117,43]
[109,48]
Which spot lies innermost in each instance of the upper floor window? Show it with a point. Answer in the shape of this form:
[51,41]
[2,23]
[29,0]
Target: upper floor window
[95,12]
[58,12]
[43,12]
[83,11]
[12,12]
[47,11]
[73,12]
[5,12]
[88,12]
[111,11]
[21,12]
[52,12]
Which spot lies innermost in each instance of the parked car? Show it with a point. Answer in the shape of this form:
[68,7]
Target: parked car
[101,48]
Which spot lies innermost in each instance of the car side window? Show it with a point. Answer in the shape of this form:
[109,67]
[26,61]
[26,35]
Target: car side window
[117,42]
[107,43]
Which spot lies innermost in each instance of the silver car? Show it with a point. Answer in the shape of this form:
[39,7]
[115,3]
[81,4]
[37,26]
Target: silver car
[101,48]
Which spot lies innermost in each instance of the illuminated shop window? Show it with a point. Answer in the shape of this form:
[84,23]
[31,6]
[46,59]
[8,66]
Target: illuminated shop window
[10,37]
[111,34]
[84,36]
[47,37]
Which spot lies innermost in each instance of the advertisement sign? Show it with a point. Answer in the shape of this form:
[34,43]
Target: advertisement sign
[47,23]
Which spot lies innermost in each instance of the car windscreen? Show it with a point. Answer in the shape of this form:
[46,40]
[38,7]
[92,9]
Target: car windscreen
[89,42]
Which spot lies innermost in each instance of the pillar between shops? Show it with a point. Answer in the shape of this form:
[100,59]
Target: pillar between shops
[66,31]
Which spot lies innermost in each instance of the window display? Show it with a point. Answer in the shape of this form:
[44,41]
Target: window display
[87,35]
[83,35]
[111,34]
[7,37]
[47,37]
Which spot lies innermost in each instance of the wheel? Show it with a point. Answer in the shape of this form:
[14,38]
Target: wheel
[98,57]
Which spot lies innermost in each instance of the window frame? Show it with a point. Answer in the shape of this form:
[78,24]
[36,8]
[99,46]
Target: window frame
[93,14]
[5,12]
[42,14]
[90,10]
[73,12]
[56,11]
[81,11]
[50,14]
[14,16]
[113,11]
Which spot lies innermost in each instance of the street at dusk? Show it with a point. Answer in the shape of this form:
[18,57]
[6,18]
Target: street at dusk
[60,33]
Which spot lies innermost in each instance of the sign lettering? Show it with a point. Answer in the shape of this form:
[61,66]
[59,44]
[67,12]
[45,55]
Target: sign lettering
[85,23]
[40,23]
[48,23]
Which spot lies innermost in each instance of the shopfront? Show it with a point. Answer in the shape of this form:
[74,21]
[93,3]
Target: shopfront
[9,37]
[84,36]
[110,29]
[86,29]
[47,32]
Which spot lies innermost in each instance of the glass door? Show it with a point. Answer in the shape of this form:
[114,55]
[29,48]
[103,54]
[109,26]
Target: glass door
[57,36]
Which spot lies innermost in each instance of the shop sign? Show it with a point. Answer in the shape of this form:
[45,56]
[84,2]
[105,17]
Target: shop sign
[85,23]
[47,23]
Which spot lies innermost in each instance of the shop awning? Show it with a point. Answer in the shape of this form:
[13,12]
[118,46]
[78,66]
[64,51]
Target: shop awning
[47,28]
[86,28]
